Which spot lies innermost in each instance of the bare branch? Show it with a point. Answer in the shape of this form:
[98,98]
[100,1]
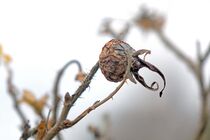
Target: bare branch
[57,84]
[207,53]
[200,69]
[107,29]
[97,104]
[48,118]
[69,102]
[28,134]
[67,123]
[26,128]
[177,52]
[13,93]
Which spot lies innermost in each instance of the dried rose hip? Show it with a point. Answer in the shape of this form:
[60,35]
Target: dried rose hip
[113,62]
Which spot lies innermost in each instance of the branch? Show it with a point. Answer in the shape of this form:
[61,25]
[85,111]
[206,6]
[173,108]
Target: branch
[177,52]
[107,29]
[96,105]
[63,124]
[206,55]
[69,102]
[200,70]
[13,93]
[28,133]
[56,86]
[67,123]
[203,92]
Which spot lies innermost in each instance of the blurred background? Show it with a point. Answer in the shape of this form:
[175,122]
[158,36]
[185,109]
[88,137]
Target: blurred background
[41,36]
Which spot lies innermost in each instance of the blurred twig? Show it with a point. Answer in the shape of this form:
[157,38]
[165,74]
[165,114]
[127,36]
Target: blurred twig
[13,93]
[169,45]
[195,66]
[108,30]
[100,134]
[206,55]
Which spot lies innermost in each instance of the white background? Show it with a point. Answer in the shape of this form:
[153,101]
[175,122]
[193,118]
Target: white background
[43,35]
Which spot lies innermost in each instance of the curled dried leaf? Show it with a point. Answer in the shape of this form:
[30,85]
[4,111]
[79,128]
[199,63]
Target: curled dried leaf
[28,97]
[37,104]
[152,68]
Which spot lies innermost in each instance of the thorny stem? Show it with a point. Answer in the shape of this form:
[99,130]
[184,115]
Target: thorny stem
[56,90]
[63,124]
[56,86]
[96,104]
[69,102]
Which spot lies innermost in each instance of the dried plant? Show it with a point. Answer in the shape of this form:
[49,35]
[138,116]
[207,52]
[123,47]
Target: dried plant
[118,62]
[148,20]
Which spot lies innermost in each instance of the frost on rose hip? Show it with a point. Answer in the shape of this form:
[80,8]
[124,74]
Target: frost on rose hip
[113,62]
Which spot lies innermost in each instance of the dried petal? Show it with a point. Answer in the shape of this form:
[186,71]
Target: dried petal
[80,76]
[148,20]
[152,68]
[140,79]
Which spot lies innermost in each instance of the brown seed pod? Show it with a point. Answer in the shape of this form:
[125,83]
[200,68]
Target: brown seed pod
[115,57]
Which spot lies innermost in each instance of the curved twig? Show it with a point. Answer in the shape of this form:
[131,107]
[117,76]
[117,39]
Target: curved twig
[57,84]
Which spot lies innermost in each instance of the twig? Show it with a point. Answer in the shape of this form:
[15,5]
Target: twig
[176,51]
[47,120]
[198,73]
[56,87]
[106,29]
[96,104]
[69,102]
[204,95]
[13,92]
[67,123]
[28,134]
[25,131]
[206,55]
